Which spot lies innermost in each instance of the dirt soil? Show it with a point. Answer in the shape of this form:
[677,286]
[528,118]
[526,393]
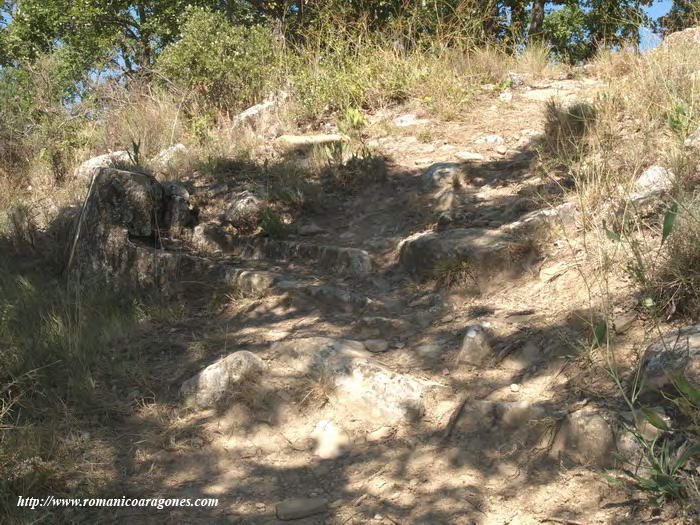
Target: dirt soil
[259,449]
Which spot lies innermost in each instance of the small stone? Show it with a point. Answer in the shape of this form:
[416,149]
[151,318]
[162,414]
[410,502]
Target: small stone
[475,346]
[516,79]
[623,322]
[444,218]
[491,139]
[514,388]
[586,437]
[311,229]
[693,140]
[218,380]
[506,96]
[376,346]
[380,434]
[468,156]
[445,371]
[297,508]
[501,150]
[676,353]
[398,345]
[260,506]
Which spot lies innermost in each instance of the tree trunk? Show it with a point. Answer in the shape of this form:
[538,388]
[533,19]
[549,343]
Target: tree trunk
[537,19]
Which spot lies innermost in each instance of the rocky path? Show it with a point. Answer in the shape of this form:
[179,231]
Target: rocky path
[338,383]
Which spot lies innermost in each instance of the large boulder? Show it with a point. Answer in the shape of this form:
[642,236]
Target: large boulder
[118,232]
[363,387]
[221,379]
[689,36]
[91,167]
[677,353]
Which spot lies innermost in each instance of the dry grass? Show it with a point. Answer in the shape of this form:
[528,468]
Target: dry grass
[315,392]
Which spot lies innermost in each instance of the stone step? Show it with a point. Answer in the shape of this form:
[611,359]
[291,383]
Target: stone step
[263,282]
[485,252]
[327,258]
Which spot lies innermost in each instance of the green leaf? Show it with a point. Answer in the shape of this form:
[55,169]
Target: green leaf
[669,221]
[654,418]
[611,234]
[688,453]
[649,302]
[685,388]
[601,332]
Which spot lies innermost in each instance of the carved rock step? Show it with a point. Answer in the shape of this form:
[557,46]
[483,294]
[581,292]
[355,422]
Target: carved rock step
[362,386]
[259,282]
[486,252]
[333,259]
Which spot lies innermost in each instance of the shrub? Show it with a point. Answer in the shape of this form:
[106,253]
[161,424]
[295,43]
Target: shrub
[227,64]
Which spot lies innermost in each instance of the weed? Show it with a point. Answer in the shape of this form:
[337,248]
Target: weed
[271,223]
[455,272]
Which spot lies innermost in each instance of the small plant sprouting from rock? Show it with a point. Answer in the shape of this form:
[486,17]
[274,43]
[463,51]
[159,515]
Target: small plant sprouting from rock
[455,273]
[664,457]
[271,223]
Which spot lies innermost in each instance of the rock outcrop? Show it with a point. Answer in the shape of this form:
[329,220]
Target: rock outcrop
[221,379]
[91,167]
[119,230]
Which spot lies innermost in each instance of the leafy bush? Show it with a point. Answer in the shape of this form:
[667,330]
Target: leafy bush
[227,64]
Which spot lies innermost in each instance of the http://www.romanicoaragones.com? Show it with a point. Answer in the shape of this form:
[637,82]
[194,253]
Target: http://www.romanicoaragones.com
[158,503]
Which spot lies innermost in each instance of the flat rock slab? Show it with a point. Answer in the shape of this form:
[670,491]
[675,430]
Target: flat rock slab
[563,217]
[298,508]
[325,296]
[487,252]
[362,387]
[304,141]
[336,259]
[221,378]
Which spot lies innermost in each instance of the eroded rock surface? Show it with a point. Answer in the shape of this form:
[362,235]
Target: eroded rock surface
[362,386]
